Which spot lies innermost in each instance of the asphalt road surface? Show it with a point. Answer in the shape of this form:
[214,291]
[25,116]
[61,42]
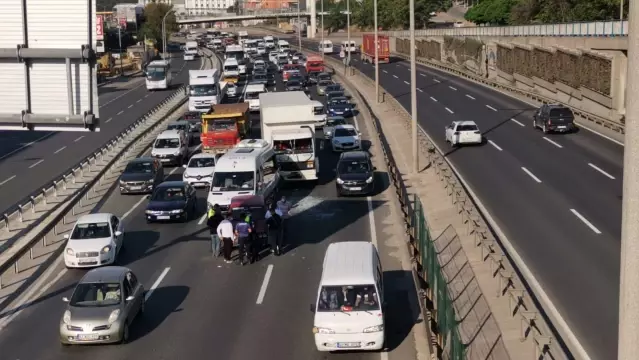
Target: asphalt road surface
[203,308]
[30,160]
[557,197]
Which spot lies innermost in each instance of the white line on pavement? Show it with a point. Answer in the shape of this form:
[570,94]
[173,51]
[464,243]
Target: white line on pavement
[24,146]
[395,76]
[585,221]
[146,96]
[495,145]
[420,90]
[7,180]
[36,163]
[78,139]
[60,149]
[156,283]
[553,142]
[126,214]
[449,110]
[114,99]
[424,75]
[452,88]
[202,219]
[267,278]
[470,97]
[385,72]
[120,113]
[432,98]
[108,120]
[437,81]
[491,108]
[406,82]
[130,106]
[139,100]
[517,122]
[531,175]
[601,171]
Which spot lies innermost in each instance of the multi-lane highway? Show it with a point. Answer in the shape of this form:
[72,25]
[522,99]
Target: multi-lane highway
[200,307]
[557,197]
[29,160]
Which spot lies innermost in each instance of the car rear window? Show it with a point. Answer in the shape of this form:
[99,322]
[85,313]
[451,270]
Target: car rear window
[467,128]
[560,112]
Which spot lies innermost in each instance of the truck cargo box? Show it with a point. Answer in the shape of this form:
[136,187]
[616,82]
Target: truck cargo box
[368,48]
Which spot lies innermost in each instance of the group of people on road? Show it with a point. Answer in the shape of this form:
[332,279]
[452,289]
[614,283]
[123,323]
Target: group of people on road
[228,231]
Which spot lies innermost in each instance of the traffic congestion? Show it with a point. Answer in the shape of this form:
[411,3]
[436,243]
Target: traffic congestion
[264,187]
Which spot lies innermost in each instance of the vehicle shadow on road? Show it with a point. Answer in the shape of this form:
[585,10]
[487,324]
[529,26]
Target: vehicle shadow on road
[136,245]
[165,301]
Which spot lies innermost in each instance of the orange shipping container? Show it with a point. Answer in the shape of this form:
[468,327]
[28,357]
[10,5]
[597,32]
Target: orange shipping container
[368,48]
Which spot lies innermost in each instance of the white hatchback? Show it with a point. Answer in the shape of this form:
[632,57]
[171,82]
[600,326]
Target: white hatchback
[345,138]
[463,133]
[199,171]
[96,240]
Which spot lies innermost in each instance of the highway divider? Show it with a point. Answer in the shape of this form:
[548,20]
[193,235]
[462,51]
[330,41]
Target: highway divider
[549,334]
[85,188]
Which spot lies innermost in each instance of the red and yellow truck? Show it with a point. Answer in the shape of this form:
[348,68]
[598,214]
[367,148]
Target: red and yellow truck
[224,126]
[314,63]
[368,48]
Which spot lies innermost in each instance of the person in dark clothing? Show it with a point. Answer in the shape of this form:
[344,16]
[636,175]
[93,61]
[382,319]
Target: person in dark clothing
[214,219]
[274,223]
[243,232]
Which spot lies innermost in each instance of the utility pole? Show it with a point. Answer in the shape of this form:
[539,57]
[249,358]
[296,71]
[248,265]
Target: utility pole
[376,61]
[120,46]
[299,26]
[413,85]
[348,34]
[621,11]
[629,277]
[322,15]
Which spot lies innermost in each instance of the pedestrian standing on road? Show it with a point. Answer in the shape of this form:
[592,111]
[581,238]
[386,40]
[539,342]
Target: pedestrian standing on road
[225,232]
[243,232]
[274,222]
[214,219]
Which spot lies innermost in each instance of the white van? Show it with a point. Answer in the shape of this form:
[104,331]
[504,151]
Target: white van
[231,67]
[349,47]
[252,95]
[349,311]
[326,47]
[319,113]
[171,147]
[247,169]
[283,45]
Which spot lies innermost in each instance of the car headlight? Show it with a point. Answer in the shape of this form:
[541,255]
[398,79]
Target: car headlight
[369,180]
[178,211]
[356,141]
[106,249]
[328,133]
[70,251]
[319,330]
[186,176]
[340,181]
[376,328]
[114,316]
[150,181]
[176,153]
[66,318]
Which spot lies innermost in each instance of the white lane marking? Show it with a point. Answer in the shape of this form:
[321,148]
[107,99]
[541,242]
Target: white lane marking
[24,146]
[130,106]
[397,65]
[116,98]
[449,110]
[495,145]
[139,100]
[267,278]
[7,180]
[432,98]
[385,72]
[585,221]
[132,209]
[470,97]
[371,220]
[156,283]
[202,219]
[553,142]
[146,96]
[601,171]
[424,75]
[395,76]
[517,122]
[406,82]
[60,149]
[437,81]
[36,163]
[531,175]
[420,90]
[108,120]
[452,88]
[120,113]
[78,139]
[491,108]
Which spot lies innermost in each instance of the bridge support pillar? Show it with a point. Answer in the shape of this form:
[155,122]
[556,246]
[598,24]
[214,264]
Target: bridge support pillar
[312,28]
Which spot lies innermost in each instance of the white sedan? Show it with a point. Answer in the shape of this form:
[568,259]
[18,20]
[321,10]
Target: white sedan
[199,171]
[96,239]
[463,133]
[345,138]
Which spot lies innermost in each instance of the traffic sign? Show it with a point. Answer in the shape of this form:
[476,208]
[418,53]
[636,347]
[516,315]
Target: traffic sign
[99,27]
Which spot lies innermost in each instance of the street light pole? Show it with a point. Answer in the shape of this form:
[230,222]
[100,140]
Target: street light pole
[164,33]
[376,61]
[621,11]
[413,85]
[322,15]
[348,33]
[299,26]
[120,46]
[628,346]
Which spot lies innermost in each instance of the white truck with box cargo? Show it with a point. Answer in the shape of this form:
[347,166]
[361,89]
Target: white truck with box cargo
[288,123]
[205,89]
[190,50]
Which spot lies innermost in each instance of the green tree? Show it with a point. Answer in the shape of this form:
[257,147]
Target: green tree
[494,12]
[152,28]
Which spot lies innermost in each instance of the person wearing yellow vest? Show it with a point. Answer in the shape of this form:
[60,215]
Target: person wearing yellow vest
[214,219]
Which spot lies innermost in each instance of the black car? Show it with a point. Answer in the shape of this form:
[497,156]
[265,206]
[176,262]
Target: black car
[334,87]
[554,118]
[355,174]
[141,175]
[172,200]
[312,77]
[294,85]
[299,78]
[324,76]
[260,79]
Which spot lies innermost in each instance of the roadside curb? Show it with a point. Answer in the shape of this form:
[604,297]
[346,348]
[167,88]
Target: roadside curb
[111,81]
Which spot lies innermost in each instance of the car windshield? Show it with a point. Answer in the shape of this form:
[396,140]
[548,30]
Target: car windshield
[139,167]
[252,95]
[233,181]
[348,298]
[221,125]
[167,143]
[335,121]
[96,295]
[353,167]
[203,90]
[318,110]
[183,127]
[467,128]
[260,77]
[296,146]
[231,68]
[91,231]
[345,132]
[203,162]
[168,194]
[324,83]
[293,83]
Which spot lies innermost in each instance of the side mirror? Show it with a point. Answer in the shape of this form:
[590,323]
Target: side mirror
[65,299]
[184,166]
[312,308]
[130,298]
[118,233]
[66,236]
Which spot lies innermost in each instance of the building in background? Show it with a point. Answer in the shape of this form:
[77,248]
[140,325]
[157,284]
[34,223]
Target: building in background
[207,7]
[270,4]
[178,5]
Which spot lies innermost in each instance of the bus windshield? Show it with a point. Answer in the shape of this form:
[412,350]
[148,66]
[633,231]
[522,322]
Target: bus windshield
[155,73]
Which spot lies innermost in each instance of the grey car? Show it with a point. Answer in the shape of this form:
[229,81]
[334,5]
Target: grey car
[331,122]
[103,306]
[321,86]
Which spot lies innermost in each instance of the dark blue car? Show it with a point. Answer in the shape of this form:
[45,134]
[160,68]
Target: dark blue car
[171,200]
[340,107]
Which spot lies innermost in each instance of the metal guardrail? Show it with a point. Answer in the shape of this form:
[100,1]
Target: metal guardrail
[534,325]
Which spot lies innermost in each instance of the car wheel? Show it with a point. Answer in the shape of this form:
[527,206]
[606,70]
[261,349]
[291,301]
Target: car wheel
[124,338]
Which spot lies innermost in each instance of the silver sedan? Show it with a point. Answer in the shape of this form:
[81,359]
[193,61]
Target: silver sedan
[103,306]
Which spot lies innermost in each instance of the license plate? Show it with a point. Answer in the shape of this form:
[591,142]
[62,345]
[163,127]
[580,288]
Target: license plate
[349,345]
[356,188]
[88,337]
[339,112]
[561,127]
[85,261]
[163,217]
[166,160]
[136,187]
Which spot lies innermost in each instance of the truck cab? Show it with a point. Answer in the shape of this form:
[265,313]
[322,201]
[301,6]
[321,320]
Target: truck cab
[204,89]
[224,126]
